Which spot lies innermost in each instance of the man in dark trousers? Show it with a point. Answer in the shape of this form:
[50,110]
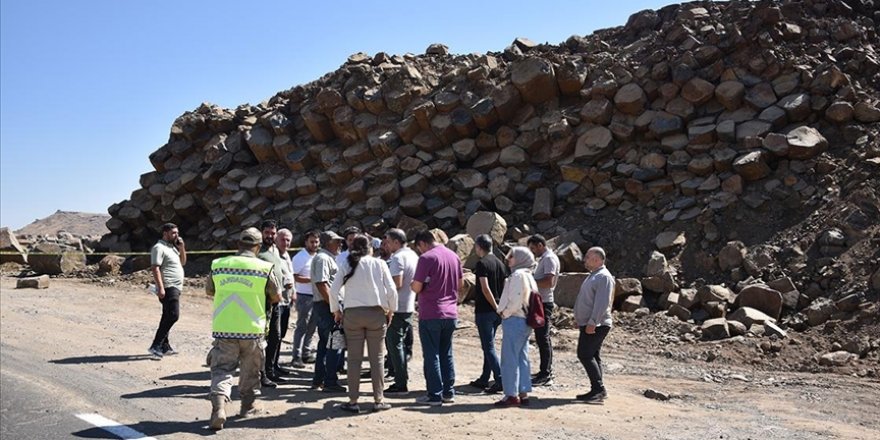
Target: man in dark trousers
[269,253]
[167,258]
[491,273]
[592,312]
[546,275]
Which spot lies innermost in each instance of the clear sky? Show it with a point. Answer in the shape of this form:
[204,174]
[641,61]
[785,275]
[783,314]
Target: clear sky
[88,89]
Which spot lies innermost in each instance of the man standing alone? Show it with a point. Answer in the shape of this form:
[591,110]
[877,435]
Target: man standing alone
[242,286]
[546,275]
[167,258]
[592,312]
[436,283]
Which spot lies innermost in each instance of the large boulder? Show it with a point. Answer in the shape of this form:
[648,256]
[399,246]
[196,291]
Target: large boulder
[714,329]
[468,287]
[761,297]
[568,285]
[571,257]
[462,245]
[805,143]
[110,265]
[749,316]
[487,222]
[731,255]
[8,243]
[820,311]
[54,259]
[535,79]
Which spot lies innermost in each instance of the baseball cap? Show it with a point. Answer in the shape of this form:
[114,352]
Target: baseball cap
[327,236]
[251,236]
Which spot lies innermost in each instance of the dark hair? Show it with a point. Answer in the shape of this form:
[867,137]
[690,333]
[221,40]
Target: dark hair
[397,235]
[268,224]
[168,226]
[360,247]
[350,230]
[424,236]
[484,242]
[537,239]
[312,233]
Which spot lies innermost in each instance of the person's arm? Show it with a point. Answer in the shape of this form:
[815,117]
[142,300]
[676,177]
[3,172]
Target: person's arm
[390,288]
[273,289]
[335,290]
[209,286]
[181,247]
[323,289]
[301,279]
[157,278]
[604,290]
[419,278]
[547,281]
[487,292]
[507,296]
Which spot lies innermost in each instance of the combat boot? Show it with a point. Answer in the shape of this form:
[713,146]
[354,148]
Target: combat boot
[248,408]
[218,411]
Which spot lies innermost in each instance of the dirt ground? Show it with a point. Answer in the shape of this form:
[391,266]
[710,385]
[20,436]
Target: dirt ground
[93,357]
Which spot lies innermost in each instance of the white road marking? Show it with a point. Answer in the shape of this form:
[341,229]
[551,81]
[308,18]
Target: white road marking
[114,428]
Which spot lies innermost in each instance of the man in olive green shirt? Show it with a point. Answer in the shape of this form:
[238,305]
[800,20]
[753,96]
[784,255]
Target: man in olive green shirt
[167,258]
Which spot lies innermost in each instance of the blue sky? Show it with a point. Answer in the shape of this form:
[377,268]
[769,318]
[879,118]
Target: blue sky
[88,89]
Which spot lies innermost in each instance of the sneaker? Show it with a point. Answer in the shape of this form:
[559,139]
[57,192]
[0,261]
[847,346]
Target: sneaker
[334,388]
[507,402]
[350,407]
[479,385]
[309,358]
[425,400]
[316,387]
[594,396]
[495,388]
[169,351]
[542,379]
[449,399]
[156,352]
[395,389]
[297,363]
[381,406]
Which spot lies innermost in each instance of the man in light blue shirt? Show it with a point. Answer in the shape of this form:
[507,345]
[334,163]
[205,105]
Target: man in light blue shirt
[592,312]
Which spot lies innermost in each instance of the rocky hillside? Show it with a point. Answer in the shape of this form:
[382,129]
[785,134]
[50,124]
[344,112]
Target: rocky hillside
[82,224]
[709,147]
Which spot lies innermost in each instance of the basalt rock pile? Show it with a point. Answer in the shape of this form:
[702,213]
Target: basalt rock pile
[743,133]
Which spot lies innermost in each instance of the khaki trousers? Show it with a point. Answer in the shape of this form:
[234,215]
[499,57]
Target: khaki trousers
[227,355]
[365,324]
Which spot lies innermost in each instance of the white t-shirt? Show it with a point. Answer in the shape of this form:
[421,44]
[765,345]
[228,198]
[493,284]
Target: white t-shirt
[302,266]
[403,262]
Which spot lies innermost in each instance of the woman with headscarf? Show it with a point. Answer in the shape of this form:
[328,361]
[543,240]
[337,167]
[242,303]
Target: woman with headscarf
[512,307]
[364,285]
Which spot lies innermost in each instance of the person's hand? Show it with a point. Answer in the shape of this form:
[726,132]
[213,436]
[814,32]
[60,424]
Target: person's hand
[161,293]
[590,329]
[337,316]
[388,316]
[179,243]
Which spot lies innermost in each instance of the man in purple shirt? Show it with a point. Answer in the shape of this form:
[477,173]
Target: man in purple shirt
[436,284]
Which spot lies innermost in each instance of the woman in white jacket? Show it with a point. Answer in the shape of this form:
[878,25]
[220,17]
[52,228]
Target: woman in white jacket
[514,302]
[364,285]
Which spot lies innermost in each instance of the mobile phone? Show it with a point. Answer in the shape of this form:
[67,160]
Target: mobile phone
[177,242]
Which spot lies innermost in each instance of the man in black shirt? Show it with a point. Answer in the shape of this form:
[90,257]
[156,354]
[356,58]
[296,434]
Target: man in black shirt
[490,272]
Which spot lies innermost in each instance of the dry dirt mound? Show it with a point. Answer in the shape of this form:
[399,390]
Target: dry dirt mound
[76,223]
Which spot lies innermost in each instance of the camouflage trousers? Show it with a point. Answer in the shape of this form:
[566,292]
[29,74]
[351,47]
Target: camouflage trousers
[226,356]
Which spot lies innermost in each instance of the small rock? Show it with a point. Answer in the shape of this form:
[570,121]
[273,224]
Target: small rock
[837,358]
[656,395]
[39,282]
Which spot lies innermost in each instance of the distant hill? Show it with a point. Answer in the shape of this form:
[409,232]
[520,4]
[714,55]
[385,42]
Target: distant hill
[77,223]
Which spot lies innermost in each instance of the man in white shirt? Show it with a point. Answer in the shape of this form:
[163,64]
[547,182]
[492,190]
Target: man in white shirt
[305,327]
[402,264]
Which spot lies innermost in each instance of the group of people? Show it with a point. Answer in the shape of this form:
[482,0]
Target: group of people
[367,295]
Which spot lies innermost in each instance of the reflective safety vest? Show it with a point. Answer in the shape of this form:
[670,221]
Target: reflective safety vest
[239,297]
